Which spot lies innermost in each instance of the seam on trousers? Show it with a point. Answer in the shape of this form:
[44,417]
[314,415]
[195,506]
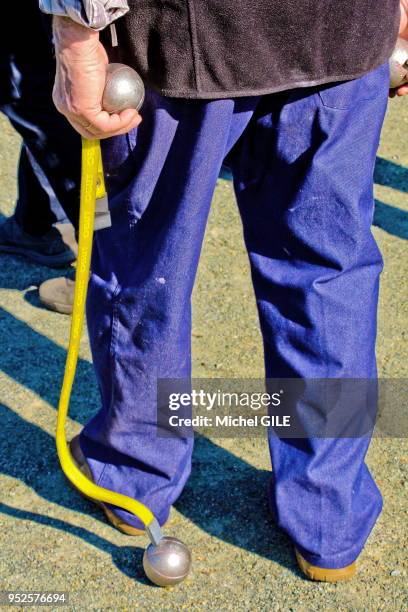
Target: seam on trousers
[114,325]
[323,344]
[113,340]
[101,475]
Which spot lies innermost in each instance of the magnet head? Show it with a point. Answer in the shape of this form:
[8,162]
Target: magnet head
[167,563]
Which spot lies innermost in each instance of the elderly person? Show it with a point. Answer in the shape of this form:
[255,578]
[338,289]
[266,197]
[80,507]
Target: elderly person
[295,94]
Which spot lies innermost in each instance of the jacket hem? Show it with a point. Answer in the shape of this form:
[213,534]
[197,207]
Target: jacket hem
[247,92]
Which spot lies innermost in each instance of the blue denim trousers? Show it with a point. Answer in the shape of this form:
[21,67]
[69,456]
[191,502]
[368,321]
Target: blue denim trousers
[302,163]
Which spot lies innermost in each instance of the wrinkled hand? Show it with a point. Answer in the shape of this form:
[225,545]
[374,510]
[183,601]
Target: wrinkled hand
[80,82]
[403,33]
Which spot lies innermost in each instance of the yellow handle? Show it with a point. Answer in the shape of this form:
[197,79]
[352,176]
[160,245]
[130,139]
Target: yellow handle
[92,186]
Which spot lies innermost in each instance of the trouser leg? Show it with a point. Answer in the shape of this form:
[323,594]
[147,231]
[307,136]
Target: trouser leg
[33,212]
[51,156]
[303,177]
[161,179]
[52,167]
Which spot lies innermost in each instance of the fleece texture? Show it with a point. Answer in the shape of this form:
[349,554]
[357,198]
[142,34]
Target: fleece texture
[225,48]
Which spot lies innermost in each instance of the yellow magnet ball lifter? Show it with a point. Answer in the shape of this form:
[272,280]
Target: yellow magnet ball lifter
[166,561]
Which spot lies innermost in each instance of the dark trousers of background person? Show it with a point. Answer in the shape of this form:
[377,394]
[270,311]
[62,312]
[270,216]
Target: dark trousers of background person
[49,167]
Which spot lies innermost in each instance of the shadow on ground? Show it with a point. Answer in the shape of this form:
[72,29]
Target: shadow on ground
[37,363]
[390,174]
[391,219]
[128,559]
[222,503]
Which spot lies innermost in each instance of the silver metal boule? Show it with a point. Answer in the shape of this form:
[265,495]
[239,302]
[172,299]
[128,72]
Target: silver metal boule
[168,563]
[399,64]
[124,89]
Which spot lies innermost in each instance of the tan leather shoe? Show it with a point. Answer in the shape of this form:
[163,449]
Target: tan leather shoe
[323,574]
[313,572]
[58,294]
[82,464]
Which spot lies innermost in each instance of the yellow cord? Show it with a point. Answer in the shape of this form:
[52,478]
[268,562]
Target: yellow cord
[92,186]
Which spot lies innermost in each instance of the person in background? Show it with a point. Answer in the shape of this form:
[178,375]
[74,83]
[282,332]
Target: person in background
[294,93]
[49,164]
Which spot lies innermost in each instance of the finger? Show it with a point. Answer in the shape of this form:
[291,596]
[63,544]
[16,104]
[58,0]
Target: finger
[123,124]
[81,130]
[127,127]
[125,130]
[104,123]
[402,91]
[91,134]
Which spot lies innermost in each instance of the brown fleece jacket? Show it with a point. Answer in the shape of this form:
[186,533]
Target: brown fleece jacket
[225,48]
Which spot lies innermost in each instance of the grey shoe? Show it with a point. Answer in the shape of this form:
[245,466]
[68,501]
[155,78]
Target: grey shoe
[48,250]
[58,294]
[68,236]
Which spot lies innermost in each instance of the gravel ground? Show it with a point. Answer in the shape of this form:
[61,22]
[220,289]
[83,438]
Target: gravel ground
[51,539]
